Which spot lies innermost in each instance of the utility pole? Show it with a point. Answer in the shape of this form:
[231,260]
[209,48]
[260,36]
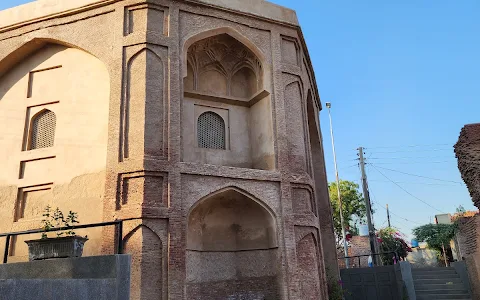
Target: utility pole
[366,194]
[388,217]
[342,222]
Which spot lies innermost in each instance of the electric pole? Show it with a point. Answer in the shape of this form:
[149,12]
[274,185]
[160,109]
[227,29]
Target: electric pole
[388,217]
[371,230]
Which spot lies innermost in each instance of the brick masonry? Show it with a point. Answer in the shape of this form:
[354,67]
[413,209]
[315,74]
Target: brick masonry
[151,182]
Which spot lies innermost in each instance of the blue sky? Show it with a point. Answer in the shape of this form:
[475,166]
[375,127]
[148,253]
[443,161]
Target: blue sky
[398,74]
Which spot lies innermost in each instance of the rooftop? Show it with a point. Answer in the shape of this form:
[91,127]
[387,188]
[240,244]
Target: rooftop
[40,9]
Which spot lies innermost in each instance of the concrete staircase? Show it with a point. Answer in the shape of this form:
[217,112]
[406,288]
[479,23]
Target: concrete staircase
[439,283]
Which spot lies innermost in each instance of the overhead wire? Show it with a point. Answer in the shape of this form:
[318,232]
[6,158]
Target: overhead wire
[414,162]
[422,183]
[403,189]
[377,203]
[421,176]
[408,146]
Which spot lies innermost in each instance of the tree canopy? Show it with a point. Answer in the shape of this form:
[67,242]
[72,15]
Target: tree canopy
[353,205]
[436,235]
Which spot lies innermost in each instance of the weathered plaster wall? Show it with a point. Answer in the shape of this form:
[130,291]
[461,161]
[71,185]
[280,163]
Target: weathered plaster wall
[75,86]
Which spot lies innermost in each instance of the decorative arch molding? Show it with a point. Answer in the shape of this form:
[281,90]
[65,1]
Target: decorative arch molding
[230,220]
[195,37]
[134,230]
[34,44]
[143,102]
[308,267]
[148,257]
[238,190]
[303,231]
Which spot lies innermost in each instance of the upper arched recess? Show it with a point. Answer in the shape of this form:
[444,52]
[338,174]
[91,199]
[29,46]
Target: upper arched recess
[223,63]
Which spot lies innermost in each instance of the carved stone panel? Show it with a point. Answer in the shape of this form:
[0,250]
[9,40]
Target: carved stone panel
[290,51]
[302,200]
[223,66]
[146,17]
[144,189]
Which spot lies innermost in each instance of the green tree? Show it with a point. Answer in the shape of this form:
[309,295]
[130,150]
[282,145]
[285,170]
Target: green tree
[437,236]
[353,205]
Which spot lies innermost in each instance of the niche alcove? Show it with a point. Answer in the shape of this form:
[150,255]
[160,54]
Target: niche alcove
[231,248]
[226,79]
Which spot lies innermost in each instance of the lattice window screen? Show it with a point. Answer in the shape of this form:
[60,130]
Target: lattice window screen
[43,130]
[211,131]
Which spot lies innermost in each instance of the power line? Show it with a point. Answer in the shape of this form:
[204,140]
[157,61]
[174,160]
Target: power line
[422,183]
[413,157]
[414,162]
[426,203]
[378,204]
[408,146]
[415,150]
[431,178]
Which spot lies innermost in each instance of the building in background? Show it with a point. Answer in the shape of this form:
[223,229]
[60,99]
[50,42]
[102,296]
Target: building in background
[195,121]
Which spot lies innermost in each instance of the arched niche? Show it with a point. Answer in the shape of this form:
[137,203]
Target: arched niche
[146,249]
[224,72]
[50,75]
[230,221]
[223,66]
[231,248]
[308,267]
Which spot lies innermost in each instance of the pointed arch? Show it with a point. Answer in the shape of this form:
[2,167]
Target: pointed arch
[134,230]
[145,76]
[192,39]
[30,47]
[308,267]
[230,220]
[238,190]
[146,249]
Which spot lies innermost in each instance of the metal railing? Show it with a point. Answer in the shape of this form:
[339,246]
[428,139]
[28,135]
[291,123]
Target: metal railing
[395,255]
[118,230]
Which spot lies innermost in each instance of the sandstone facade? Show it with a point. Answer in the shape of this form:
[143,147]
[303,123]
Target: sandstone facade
[196,122]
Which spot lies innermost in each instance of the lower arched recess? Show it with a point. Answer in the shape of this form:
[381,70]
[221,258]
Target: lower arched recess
[231,249]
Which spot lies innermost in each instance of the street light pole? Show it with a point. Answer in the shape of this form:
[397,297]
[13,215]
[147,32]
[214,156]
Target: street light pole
[344,236]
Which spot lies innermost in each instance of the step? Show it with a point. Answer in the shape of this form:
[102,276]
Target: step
[438,281]
[432,269]
[437,287]
[447,297]
[435,276]
[441,292]
[441,271]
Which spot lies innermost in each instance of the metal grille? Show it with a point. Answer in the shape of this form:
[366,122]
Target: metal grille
[211,131]
[43,130]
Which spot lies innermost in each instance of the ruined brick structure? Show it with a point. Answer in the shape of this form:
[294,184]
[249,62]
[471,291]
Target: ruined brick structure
[196,121]
[467,151]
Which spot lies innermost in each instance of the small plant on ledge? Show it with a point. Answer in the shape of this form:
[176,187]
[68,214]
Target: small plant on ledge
[56,219]
[65,244]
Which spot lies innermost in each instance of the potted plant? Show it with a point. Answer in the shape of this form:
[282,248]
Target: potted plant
[65,244]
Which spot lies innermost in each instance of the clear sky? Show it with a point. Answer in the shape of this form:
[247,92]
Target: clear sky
[398,74]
